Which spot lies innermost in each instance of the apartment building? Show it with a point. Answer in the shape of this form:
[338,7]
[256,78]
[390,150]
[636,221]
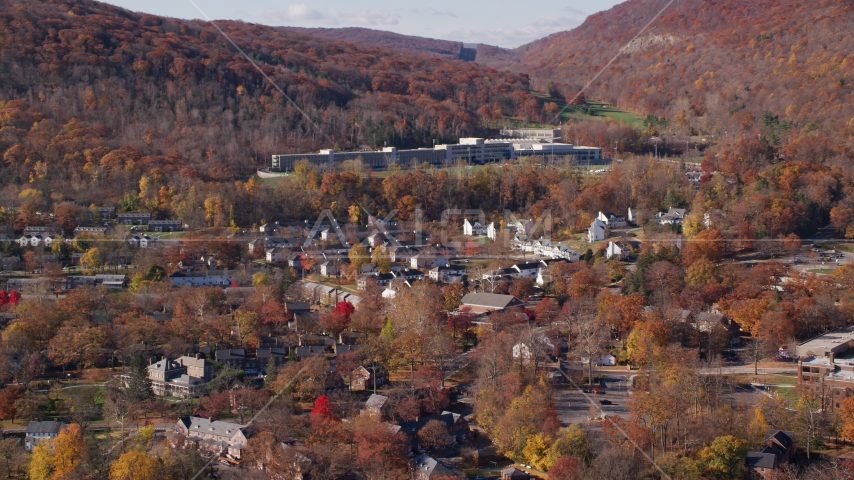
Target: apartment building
[826,366]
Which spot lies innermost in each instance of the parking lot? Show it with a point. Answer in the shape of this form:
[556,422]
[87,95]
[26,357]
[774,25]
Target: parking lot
[575,406]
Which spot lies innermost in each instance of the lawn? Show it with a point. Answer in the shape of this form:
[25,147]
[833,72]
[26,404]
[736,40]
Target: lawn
[822,271]
[766,379]
[599,111]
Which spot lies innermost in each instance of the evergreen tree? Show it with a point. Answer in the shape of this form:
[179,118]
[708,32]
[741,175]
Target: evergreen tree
[139,385]
[272,372]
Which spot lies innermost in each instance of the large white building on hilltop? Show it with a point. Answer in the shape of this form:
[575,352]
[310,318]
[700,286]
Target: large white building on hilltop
[468,150]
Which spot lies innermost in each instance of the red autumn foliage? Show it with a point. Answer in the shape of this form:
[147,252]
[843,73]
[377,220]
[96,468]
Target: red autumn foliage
[322,409]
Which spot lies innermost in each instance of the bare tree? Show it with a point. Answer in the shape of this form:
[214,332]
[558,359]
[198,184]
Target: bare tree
[590,339]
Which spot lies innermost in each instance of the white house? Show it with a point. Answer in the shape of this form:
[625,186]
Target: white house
[36,240]
[449,274]
[428,260]
[617,250]
[142,241]
[492,231]
[612,220]
[328,269]
[634,216]
[673,215]
[475,229]
[521,227]
[596,232]
[603,361]
[524,351]
[41,431]
[277,254]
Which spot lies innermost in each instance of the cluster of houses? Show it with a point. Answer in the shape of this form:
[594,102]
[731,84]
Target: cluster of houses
[46,235]
[228,439]
[605,221]
[65,283]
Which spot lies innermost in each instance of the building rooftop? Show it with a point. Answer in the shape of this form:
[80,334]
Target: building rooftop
[36,427]
[835,342]
[490,300]
[429,467]
[760,460]
[376,401]
[215,427]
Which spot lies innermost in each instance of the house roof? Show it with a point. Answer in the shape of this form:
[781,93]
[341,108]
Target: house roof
[784,437]
[230,354]
[448,418]
[298,306]
[36,427]
[760,460]
[514,472]
[429,467]
[491,300]
[267,352]
[306,351]
[194,362]
[164,365]
[710,317]
[376,401]
[216,427]
[188,380]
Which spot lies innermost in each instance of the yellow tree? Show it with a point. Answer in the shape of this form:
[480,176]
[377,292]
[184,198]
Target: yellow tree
[134,464]
[573,442]
[68,448]
[381,258]
[58,458]
[702,272]
[645,338]
[757,428]
[536,450]
[41,463]
[358,257]
[246,322]
[91,261]
[846,410]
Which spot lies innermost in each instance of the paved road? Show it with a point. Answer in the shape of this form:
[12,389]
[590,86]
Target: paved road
[748,369]
[158,427]
[575,406]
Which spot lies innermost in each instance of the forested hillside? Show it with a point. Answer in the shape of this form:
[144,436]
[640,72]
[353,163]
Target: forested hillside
[725,67]
[93,97]
[441,48]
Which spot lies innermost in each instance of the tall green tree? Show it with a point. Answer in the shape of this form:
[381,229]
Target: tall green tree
[272,372]
[138,384]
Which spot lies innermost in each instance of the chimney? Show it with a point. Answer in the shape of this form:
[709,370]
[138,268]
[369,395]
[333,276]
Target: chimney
[197,356]
[832,356]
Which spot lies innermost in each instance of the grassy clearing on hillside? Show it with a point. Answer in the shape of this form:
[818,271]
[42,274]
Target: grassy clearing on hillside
[599,111]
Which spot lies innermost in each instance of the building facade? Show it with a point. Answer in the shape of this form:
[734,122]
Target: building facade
[184,377]
[826,366]
[468,150]
[216,437]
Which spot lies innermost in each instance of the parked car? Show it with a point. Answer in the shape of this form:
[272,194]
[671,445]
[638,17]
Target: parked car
[587,390]
[605,402]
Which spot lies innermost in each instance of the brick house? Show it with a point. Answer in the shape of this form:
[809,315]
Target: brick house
[362,378]
[777,448]
[215,436]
